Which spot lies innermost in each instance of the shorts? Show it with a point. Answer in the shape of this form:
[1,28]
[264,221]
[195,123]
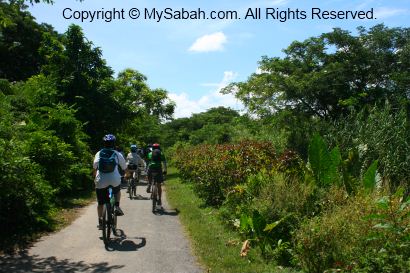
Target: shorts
[156,175]
[102,194]
[132,167]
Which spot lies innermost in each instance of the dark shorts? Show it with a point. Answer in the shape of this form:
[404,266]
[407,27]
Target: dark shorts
[155,175]
[102,194]
[132,167]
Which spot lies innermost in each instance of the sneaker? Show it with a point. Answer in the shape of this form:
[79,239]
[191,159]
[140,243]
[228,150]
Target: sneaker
[118,211]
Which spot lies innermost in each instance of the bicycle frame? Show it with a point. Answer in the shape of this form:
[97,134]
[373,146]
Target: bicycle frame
[132,185]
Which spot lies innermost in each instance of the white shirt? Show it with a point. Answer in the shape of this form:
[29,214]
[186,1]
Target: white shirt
[103,180]
[133,158]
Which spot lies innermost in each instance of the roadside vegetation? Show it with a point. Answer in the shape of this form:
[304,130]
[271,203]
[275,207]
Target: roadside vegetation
[313,177]
[58,97]
[217,247]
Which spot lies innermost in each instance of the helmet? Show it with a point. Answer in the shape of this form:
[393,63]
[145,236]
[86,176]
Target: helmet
[134,148]
[155,146]
[109,138]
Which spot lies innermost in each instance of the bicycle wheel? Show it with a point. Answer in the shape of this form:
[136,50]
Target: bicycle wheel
[134,187]
[154,196]
[114,223]
[129,182]
[106,224]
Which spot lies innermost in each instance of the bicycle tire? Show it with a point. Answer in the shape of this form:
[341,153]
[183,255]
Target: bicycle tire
[154,196]
[130,187]
[134,186]
[114,223]
[105,225]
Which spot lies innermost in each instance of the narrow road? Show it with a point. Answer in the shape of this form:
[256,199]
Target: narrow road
[147,243]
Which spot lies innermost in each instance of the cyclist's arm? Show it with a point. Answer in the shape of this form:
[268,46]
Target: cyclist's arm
[95,163]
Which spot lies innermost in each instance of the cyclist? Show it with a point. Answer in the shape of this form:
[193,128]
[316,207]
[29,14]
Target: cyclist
[155,161]
[106,165]
[134,161]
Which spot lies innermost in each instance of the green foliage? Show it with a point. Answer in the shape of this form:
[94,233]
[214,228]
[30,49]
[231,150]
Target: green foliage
[20,40]
[255,229]
[378,133]
[324,164]
[134,93]
[314,80]
[366,234]
[215,126]
[57,100]
[388,240]
[25,194]
[215,169]
[369,178]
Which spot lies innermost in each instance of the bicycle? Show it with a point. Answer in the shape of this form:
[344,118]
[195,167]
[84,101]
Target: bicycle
[132,180]
[154,190]
[132,186]
[109,221]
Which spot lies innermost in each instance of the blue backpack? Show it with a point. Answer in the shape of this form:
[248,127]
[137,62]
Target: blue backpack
[107,162]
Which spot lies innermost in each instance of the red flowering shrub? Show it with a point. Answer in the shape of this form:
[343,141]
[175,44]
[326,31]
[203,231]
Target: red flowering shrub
[215,169]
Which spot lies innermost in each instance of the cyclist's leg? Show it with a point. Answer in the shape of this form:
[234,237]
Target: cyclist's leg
[149,173]
[160,180]
[101,199]
[117,194]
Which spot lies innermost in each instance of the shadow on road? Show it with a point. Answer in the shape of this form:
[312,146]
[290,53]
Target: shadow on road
[140,197]
[142,183]
[122,243]
[174,212]
[22,262]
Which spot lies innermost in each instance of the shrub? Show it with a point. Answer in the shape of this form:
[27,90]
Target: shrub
[368,233]
[215,169]
[25,195]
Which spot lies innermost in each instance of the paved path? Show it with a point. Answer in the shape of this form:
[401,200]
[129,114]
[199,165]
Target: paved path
[148,243]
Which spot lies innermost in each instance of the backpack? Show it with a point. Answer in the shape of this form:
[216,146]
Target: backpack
[107,162]
[156,155]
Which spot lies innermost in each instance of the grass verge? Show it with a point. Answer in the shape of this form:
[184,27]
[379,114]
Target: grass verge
[69,208]
[217,247]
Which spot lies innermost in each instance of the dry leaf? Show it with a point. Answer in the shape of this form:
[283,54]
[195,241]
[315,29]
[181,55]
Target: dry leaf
[245,248]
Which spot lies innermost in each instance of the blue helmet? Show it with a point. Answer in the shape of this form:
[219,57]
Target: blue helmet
[134,148]
[109,138]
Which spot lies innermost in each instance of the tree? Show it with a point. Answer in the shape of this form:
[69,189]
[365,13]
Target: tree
[135,94]
[210,126]
[20,40]
[84,81]
[326,76]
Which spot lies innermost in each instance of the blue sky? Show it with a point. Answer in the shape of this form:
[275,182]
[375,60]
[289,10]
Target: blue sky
[194,59]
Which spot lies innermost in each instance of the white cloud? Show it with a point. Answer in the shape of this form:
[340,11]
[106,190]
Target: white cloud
[210,42]
[185,106]
[384,12]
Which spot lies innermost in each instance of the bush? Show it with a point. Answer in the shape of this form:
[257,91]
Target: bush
[26,196]
[368,233]
[215,169]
